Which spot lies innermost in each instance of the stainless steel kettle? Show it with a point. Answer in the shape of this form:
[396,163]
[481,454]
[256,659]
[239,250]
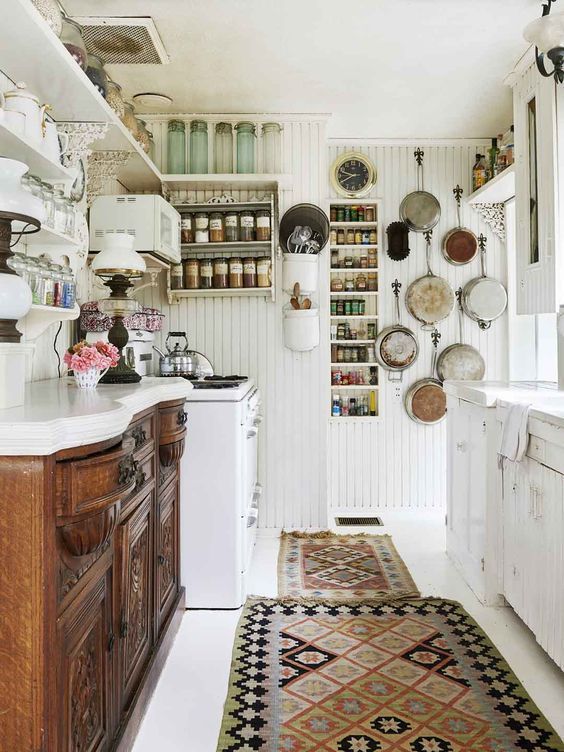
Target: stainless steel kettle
[178,361]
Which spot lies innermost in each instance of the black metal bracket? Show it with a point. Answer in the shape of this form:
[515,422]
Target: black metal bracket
[482,240]
[435,337]
[458,294]
[428,236]
[418,154]
[396,287]
[457,194]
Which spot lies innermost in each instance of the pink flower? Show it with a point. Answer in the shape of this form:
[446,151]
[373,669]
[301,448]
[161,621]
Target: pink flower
[83,356]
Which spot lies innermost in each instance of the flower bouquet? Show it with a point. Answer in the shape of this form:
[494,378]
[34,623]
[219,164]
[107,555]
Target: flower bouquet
[89,362]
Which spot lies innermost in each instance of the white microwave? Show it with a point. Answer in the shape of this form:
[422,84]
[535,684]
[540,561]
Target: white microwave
[152,221]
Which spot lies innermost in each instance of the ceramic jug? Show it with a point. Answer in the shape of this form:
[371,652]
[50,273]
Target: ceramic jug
[54,144]
[23,101]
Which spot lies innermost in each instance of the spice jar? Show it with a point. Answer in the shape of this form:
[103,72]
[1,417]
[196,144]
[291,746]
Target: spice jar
[335,260]
[373,236]
[249,272]
[220,273]
[202,234]
[360,282]
[349,263]
[263,225]
[366,237]
[333,214]
[364,262]
[186,231]
[358,237]
[264,277]
[333,237]
[231,227]
[337,284]
[206,274]
[340,237]
[349,284]
[235,272]
[176,277]
[247,226]
[350,236]
[372,282]
[216,228]
[347,213]
[372,258]
[361,213]
[354,213]
[355,307]
[191,274]
[369,215]
[340,214]
[333,308]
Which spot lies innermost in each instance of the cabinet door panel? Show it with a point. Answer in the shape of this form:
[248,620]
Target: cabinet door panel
[135,556]
[167,553]
[85,670]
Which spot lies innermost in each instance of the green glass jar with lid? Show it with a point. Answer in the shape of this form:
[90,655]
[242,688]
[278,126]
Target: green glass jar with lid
[198,147]
[223,148]
[176,148]
[246,138]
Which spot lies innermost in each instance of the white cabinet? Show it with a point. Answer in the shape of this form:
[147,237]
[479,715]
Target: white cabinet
[473,496]
[533,550]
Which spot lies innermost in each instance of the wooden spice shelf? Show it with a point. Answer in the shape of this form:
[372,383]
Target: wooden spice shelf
[222,293]
[356,293]
[248,245]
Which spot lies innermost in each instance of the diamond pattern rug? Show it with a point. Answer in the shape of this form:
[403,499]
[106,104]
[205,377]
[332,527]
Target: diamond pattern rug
[344,568]
[412,676]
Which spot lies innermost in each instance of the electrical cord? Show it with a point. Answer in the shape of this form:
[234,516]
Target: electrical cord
[55,348]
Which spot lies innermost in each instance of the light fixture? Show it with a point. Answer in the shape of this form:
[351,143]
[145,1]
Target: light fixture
[117,264]
[547,34]
[152,99]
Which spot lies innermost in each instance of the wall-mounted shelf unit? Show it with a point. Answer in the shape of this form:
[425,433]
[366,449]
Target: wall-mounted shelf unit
[49,237]
[237,292]
[18,147]
[229,181]
[59,81]
[362,398]
[253,245]
[40,317]
[498,190]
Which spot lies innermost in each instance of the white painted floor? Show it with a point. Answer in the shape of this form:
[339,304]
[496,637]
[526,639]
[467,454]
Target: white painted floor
[186,710]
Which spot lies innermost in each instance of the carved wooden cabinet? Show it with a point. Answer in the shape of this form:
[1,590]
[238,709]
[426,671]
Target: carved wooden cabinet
[91,596]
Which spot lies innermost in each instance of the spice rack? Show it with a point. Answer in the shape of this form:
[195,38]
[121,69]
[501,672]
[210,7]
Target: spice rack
[354,312]
[193,253]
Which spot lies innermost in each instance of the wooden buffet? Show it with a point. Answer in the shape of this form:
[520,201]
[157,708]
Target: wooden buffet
[89,564]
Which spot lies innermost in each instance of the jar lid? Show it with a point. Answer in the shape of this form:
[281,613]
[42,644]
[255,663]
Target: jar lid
[223,128]
[246,126]
[271,127]
[176,125]
[198,125]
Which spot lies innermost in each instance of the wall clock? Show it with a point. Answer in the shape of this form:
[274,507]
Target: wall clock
[353,175]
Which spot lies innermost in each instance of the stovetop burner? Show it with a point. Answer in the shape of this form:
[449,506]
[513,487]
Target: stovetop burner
[219,382]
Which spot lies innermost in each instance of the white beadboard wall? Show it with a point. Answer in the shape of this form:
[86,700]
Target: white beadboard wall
[396,462]
[244,335]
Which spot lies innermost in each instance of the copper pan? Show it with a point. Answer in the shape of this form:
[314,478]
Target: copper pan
[460,245]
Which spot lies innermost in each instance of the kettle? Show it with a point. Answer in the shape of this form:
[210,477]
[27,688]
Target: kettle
[180,361]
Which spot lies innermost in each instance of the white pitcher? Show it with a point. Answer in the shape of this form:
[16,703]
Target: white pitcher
[54,144]
[23,101]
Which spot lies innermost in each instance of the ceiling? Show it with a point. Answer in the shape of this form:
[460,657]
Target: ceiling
[382,68]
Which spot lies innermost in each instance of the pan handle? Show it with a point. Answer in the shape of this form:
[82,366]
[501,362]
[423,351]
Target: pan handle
[395,376]
[418,154]
[428,236]
[482,240]
[396,287]
[458,294]
[458,195]
[435,337]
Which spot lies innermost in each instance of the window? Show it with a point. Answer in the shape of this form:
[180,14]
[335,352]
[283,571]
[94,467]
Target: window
[533,182]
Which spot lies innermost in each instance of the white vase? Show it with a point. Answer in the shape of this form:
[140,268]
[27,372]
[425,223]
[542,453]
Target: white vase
[88,379]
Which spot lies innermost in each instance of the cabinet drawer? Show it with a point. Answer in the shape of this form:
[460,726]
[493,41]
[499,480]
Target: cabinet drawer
[142,432]
[536,449]
[144,479]
[172,423]
[91,485]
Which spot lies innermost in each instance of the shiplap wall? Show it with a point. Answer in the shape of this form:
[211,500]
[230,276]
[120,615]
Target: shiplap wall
[244,335]
[396,462]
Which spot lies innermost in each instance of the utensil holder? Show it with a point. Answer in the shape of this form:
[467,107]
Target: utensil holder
[301,328]
[301,268]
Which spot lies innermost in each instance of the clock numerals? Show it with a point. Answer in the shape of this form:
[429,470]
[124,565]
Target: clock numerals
[353,176]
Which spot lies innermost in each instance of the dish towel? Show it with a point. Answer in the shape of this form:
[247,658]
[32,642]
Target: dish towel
[515,436]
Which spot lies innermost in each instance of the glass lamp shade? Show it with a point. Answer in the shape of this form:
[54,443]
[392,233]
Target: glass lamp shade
[15,297]
[546,32]
[118,257]
[13,198]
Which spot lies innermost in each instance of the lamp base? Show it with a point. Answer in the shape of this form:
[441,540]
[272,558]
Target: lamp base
[122,373]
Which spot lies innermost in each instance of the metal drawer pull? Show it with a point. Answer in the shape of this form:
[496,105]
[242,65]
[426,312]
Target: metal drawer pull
[161,559]
[460,446]
[252,520]
[252,432]
[127,470]
[257,421]
[182,417]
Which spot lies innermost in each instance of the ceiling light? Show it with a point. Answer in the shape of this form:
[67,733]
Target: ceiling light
[547,34]
[150,99]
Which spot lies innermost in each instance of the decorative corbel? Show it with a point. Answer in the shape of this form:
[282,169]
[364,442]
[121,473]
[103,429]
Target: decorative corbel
[81,136]
[103,166]
[494,216]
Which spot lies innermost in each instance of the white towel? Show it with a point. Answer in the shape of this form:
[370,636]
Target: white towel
[515,436]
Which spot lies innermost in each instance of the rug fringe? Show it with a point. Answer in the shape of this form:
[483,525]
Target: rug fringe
[329,534]
[306,600]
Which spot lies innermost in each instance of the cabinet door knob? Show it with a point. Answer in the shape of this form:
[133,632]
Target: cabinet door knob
[182,417]
[460,446]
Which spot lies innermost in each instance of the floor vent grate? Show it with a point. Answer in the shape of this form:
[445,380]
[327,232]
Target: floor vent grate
[361,521]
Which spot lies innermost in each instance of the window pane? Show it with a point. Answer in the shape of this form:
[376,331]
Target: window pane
[533,184]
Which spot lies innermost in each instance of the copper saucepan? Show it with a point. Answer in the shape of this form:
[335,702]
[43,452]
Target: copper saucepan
[425,401]
[460,245]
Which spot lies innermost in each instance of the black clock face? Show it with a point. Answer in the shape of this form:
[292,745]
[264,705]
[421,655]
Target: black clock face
[353,175]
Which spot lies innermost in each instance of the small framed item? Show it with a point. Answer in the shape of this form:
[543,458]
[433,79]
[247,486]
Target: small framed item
[353,175]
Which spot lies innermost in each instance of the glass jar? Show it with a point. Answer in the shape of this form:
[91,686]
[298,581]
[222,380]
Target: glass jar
[71,37]
[337,284]
[249,272]
[206,274]
[263,224]
[369,214]
[96,73]
[69,287]
[350,236]
[247,226]
[176,146]
[340,237]
[34,280]
[372,258]
[51,12]
[114,98]
[272,150]
[186,231]
[142,136]
[360,282]
[349,284]
[71,218]
[333,236]
[360,214]
[129,119]
[246,137]
[16,262]
[198,147]
[58,285]
[231,227]
[49,289]
[176,277]
[192,274]
[223,148]
[373,236]
[372,285]
[220,273]
[235,272]
[202,234]
[216,228]
[358,237]
[60,220]
[264,271]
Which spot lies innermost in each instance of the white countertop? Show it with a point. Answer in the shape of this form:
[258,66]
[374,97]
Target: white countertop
[58,415]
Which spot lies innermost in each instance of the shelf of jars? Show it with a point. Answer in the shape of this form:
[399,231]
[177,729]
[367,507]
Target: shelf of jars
[498,190]
[232,181]
[18,147]
[229,292]
[61,82]
[252,245]
[353,292]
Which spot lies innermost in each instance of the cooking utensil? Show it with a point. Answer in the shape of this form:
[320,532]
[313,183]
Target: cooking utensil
[180,361]
[460,362]
[429,299]
[296,289]
[420,210]
[484,298]
[460,245]
[306,305]
[425,401]
[398,241]
[303,215]
[295,303]
[396,347]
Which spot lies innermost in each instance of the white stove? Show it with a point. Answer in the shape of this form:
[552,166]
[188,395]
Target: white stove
[220,493]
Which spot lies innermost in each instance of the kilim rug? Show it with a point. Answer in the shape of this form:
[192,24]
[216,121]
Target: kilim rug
[343,568]
[411,676]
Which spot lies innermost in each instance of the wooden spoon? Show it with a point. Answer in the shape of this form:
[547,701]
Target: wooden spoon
[295,303]
[297,290]
[306,304]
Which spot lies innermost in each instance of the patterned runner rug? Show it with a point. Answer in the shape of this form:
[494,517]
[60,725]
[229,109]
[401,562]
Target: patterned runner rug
[411,676]
[344,568]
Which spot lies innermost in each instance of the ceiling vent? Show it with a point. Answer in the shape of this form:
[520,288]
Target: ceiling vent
[123,40]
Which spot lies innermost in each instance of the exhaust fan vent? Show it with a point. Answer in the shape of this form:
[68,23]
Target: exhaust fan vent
[360,521]
[123,40]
